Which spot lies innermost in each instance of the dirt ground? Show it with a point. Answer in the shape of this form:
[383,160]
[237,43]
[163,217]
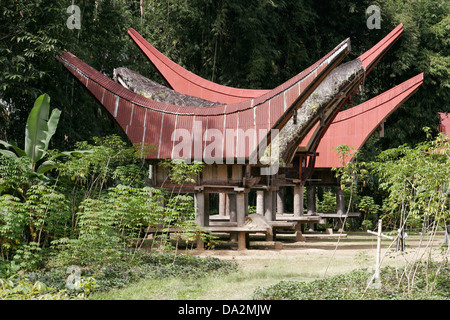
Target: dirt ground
[350,251]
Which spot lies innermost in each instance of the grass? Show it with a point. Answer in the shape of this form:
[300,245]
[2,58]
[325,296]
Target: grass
[251,274]
[257,269]
[235,286]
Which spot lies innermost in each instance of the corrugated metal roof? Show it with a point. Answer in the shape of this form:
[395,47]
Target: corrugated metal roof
[266,111]
[354,126]
[188,83]
[174,73]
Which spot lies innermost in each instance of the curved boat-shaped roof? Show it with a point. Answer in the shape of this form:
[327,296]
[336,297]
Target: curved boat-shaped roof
[152,122]
[188,83]
[354,126]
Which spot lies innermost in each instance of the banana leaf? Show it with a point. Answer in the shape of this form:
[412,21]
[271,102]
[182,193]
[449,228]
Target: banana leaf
[40,128]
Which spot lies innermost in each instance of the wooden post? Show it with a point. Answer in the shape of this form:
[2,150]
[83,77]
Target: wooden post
[201,200]
[311,207]
[377,264]
[260,202]
[268,205]
[242,240]
[241,208]
[340,201]
[242,212]
[270,209]
[298,233]
[379,234]
[233,214]
[298,200]
[201,208]
[222,204]
[280,201]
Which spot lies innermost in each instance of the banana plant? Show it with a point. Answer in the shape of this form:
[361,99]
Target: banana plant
[39,130]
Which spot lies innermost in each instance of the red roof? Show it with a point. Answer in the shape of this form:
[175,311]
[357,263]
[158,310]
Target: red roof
[185,82]
[444,125]
[153,122]
[191,84]
[188,83]
[354,126]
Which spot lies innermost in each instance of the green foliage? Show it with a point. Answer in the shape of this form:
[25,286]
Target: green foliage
[180,171]
[12,221]
[328,203]
[370,211]
[429,284]
[120,274]
[351,171]
[112,227]
[38,131]
[39,219]
[28,257]
[47,285]
[25,290]
[110,161]
[416,181]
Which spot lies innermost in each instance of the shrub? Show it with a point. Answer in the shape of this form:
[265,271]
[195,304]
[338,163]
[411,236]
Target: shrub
[120,274]
[23,289]
[430,282]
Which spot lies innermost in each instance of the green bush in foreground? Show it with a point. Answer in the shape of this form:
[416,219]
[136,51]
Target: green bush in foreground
[427,283]
[51,284]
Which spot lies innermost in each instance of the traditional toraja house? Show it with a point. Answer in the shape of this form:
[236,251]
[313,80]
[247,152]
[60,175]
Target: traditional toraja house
[356,125]
[246,138]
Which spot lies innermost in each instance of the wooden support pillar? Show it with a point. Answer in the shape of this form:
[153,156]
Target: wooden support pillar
[242,240]
[280,201]
[241,207]
[340,206]
[222,204]
[298,200]
[311,193]
[340,201]
[269,207]
[298,233]
[260,202]
[242,212]
[201,208]
[201,200]
[233,214]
